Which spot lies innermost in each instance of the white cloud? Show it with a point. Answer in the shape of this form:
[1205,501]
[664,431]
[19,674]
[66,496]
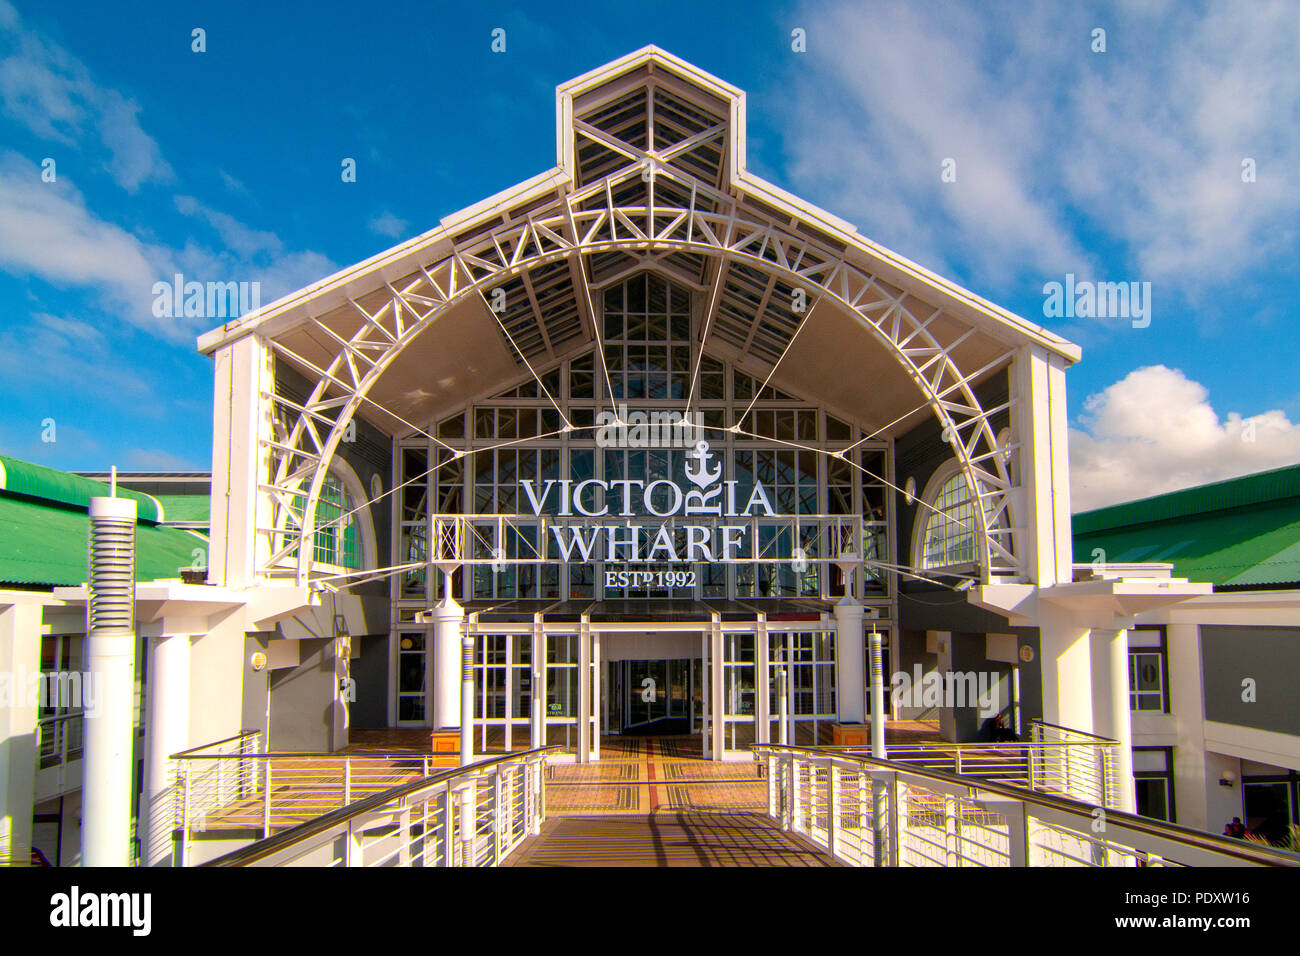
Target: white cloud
[1155,431]
[237,237]
[912,89]
[386,224]
[51,92]
[47,231]
[1054,144]
[71,353]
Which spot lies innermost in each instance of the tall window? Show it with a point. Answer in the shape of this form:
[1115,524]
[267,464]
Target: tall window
[1153,780]
[1147,670]
[338,539]
[949,535]
[647,326]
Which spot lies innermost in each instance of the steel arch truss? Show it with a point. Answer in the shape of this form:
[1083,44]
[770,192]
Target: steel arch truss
[586,223]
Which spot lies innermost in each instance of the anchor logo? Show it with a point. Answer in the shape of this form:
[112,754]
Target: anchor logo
[701,502]
[700,476]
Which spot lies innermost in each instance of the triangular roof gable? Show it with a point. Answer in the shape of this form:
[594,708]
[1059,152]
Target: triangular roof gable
[645,69]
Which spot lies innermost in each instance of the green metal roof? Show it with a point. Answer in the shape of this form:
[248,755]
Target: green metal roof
[37,481]
[188,509]
[1238,533]
[45,543]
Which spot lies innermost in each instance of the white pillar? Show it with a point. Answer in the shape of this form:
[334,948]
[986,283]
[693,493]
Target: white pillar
[167,733]
[1192,779]
[1067,670]
[446,617]
[1041,506]
[20,656]
[717,673]
[467,698]
[850,681]
[584,691]
[108,762]
[538,665]
[1121,718]
[244,375]
[877,695]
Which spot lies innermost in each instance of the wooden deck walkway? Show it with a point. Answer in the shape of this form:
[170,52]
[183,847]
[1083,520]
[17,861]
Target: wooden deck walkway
[666,839]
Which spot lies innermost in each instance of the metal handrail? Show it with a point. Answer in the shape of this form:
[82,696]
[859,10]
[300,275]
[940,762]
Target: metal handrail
[194,751]
[309,755]
[261,850]
[1037,721]
[1193,839]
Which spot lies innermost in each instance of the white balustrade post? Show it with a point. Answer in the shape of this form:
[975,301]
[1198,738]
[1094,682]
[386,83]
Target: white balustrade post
[832,808]
[787,782]
[266,798]
[498,817]
[773,794]
[951,855]
[449,840]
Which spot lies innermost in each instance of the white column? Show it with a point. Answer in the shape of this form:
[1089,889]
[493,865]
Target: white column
[20,656]
[717,673]
[167,733]
[1119,722]
[243,375]
[467,698]
[850,677]
[447,617]
[584,691]
[1192,781]
[539,683]
[1041,507]
[877,695]
[108,762]
[1067,669]
[706,679]
[595,693]
[762,682]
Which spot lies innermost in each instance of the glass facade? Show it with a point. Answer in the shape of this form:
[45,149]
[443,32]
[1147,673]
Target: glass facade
[821,482]
[778,442]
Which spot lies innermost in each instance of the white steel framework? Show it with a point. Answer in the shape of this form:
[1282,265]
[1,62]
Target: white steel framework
[643,184]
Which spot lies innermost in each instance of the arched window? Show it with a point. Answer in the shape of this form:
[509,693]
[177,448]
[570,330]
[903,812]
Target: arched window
[338,536]
[344,536]
[946,528]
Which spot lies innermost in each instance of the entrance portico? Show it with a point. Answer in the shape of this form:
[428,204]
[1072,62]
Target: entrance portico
[673,667]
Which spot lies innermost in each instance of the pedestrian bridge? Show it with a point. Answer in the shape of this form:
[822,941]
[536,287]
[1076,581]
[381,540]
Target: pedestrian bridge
[791,806]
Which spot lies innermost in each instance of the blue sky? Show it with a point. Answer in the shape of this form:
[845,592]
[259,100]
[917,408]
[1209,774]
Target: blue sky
[1122,165]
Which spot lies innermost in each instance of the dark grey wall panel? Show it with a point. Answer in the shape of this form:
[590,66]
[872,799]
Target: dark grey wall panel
[1268,655]
[302,700]
[370,670]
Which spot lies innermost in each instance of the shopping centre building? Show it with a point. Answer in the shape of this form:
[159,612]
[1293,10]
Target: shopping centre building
[478,434]
[649,439]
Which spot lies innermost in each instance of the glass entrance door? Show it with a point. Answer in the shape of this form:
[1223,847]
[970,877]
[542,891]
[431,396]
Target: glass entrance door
[655,693]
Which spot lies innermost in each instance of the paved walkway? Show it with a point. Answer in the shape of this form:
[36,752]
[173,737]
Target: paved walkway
[666,839]
[649,775]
